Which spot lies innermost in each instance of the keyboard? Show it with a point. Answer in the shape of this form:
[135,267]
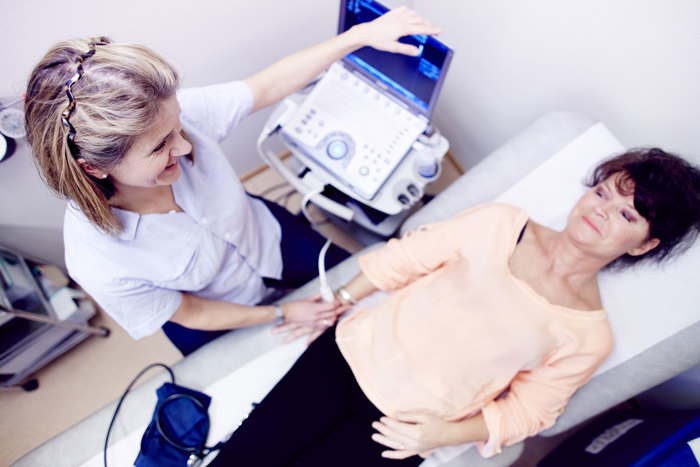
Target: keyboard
[357,133]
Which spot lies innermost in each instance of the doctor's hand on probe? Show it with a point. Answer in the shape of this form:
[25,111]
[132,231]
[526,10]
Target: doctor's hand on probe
[309,316]
[345,298]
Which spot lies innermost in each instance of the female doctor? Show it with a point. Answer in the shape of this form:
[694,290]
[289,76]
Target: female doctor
[158,228]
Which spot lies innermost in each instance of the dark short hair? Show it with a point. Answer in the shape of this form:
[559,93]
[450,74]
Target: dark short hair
[666,193]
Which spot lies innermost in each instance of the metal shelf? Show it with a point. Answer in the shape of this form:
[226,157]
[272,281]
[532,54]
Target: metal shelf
[31,333]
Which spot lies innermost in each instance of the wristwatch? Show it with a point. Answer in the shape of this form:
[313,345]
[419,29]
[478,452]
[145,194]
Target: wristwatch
[345,296]
[279,315]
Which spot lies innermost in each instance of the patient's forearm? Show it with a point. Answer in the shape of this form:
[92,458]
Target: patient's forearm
[468,430]
[360,286]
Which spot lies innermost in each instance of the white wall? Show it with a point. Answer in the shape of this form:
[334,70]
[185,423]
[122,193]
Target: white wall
[208,41]
[633,64]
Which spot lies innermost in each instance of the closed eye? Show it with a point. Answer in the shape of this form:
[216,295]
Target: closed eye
[160,146]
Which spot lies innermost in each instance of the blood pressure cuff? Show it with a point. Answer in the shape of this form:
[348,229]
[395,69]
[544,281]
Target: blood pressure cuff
[177,433]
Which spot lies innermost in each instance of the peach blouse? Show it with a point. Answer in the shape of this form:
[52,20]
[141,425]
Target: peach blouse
[460,330]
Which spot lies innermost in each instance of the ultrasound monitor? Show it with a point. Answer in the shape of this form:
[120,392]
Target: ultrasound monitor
[416,81]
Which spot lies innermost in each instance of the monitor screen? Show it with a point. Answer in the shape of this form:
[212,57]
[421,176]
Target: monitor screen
[415,80]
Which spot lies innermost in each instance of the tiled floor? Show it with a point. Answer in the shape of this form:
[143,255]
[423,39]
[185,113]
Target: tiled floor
[98,370]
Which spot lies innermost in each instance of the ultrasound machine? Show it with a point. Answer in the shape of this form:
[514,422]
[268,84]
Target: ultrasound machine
[362,146]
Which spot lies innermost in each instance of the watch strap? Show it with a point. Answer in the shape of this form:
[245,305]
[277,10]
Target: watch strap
[279,315]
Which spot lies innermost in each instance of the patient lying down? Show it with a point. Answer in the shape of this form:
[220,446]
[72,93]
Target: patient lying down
[494,322]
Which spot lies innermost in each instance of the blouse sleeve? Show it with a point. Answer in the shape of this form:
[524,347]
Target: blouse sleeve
[417,253]
[216,109]
[138,307]
[536,398]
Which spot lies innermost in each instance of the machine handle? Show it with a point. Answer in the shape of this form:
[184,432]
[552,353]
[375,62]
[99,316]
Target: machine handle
[321,201]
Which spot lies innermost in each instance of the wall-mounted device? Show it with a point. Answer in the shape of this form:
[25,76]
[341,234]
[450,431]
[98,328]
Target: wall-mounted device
[11,126]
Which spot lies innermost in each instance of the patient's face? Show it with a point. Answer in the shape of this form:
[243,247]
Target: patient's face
[605,223]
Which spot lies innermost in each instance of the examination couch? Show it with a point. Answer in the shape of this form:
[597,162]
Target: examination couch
[653,313]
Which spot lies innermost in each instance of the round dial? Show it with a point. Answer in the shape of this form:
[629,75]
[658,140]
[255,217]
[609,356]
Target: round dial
[337,149]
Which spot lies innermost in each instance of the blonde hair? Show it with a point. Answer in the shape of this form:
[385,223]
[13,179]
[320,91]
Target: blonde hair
[117,99]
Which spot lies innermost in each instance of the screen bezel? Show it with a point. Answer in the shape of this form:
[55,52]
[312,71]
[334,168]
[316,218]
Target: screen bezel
[416,108]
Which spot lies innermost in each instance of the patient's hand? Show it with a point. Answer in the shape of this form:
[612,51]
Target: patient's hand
[408,434]
[411,434]
[309,316]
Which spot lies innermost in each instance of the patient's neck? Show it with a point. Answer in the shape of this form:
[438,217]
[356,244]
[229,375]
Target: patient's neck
[567,259]
[547,261]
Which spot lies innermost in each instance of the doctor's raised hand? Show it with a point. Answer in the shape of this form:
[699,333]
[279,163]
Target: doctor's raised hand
[158,228]
[295,71]
[383,33]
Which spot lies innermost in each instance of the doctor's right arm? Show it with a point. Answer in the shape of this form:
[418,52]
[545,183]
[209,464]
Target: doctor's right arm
[212,315]
[295,71]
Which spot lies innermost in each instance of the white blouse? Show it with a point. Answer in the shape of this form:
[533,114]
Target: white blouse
[219,247]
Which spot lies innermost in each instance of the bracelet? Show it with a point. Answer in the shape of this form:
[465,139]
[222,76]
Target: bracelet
[346,296]
[279,315]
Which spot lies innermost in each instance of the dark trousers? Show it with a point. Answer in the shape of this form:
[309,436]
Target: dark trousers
[317,415]
[300,247]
